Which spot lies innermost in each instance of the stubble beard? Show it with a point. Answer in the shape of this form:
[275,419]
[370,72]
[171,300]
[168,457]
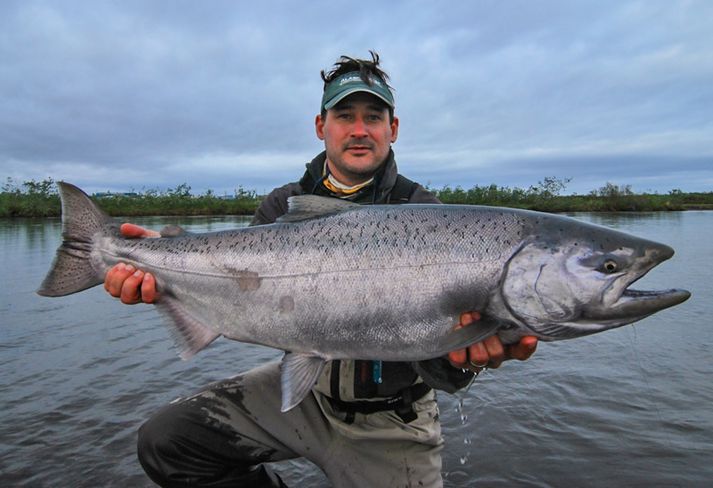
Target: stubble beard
[357,169]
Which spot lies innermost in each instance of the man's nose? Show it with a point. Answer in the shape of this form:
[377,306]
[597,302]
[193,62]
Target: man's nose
[359,128]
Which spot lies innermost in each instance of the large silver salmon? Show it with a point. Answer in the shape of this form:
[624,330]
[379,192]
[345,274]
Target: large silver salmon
[336,280]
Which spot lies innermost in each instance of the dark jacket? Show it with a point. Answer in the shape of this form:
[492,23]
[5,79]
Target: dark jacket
[388,188]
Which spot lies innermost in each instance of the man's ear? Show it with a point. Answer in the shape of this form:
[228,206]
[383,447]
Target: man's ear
[394,129]
[319,126]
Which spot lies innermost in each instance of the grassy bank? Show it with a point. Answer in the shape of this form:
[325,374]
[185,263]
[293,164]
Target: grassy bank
[40,199]
[609,198]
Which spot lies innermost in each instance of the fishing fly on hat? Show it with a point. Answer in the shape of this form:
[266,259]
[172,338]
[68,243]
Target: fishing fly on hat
[348,83]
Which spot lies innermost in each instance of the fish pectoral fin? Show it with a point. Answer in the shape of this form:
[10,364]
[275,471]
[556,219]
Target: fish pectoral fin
[299,373]
[191,335]
[304,207]
[470,334]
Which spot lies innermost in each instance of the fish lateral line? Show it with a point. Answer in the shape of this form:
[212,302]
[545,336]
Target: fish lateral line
[227,275]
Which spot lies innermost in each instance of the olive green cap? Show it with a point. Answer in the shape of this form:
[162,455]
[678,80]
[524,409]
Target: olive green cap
[348,83]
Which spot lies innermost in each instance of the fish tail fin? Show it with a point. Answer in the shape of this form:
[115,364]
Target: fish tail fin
[72,270]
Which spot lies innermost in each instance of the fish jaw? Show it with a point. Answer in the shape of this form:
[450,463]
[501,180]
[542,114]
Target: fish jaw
[623,305]
[634,305]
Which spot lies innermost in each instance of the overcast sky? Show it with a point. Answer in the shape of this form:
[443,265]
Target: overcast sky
[138,94]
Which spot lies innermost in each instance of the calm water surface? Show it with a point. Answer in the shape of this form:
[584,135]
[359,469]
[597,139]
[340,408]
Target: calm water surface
[630,407]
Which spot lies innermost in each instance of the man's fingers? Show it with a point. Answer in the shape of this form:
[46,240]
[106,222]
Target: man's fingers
[131,289]
[148,289]
[489,352]
[114,279]
[523,349]
[496,351]
[459,357]
[467,318]
[478,354]
[134,231]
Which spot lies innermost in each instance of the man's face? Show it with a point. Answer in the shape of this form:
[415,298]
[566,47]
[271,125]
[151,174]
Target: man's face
[357,135]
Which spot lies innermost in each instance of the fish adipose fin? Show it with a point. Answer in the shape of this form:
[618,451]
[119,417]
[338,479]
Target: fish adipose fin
[305,207]
[82,220]
[190,334]
[299,373]
[470,334]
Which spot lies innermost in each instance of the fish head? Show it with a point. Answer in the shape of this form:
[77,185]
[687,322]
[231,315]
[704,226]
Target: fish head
[575,279]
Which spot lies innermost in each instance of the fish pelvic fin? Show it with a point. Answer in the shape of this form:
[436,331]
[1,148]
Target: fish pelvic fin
[305,207]
[190,334]
[82,220]
[299,373]
[470,334]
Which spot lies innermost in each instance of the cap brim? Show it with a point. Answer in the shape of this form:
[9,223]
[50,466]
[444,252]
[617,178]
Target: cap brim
[331,103]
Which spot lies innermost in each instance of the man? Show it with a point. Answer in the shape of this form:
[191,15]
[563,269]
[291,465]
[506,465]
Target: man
[366,423]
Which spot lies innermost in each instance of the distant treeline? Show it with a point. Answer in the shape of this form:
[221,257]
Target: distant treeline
[40,199]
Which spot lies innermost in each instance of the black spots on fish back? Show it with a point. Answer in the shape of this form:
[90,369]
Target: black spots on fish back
[241,246]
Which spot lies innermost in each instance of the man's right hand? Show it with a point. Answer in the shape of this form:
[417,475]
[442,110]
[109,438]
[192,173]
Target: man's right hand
[124,281]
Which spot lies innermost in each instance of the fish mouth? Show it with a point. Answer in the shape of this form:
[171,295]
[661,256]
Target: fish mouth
[636,304]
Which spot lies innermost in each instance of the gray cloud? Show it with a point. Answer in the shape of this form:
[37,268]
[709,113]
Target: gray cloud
[121,95]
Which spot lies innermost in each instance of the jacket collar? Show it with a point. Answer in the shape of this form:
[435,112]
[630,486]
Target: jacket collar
[384,180]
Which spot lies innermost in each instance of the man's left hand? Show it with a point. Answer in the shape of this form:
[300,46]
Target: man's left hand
[489,353]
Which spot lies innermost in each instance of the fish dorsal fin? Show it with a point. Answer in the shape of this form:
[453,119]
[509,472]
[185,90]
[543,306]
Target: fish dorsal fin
[304,207]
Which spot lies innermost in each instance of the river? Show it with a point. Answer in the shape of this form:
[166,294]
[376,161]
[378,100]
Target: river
[629,407]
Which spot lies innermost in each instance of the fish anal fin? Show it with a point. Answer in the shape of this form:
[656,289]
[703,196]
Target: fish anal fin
[191,335]
[299,373]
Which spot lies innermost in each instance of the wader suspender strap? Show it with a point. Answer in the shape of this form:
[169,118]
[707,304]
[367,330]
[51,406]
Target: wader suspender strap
[401,404]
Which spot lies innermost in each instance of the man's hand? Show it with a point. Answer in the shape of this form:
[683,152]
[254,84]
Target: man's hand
[124,281]
[491,352]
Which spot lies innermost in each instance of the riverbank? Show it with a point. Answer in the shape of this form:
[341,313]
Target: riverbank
[40,199]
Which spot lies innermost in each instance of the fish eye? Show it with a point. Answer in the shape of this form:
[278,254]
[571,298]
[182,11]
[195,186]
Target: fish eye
[609,266]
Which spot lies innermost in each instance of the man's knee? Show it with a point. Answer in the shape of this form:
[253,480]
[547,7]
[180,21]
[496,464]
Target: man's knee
[174,445]
[154,447]
[178,447]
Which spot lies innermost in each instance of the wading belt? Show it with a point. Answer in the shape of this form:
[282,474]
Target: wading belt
[401,404]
